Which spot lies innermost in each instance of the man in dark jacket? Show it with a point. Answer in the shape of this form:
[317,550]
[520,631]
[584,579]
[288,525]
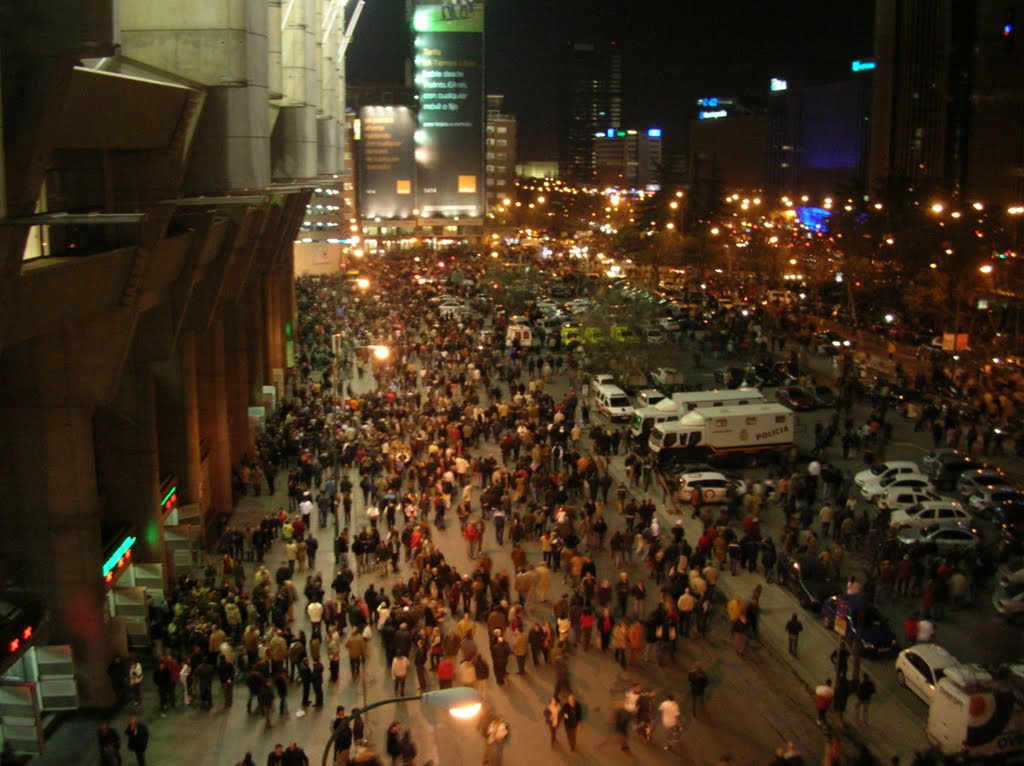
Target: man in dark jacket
[343,739]
[276,757]
[572,716]
[137,739]
[500,652]
[110,746]
[294,756]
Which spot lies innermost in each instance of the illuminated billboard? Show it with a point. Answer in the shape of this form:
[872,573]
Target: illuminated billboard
[449,80]
[387,168]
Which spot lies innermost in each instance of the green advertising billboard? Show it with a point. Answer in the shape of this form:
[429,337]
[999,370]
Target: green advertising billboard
[449,77]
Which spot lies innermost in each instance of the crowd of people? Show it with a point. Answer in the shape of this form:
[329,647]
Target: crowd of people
[458,435]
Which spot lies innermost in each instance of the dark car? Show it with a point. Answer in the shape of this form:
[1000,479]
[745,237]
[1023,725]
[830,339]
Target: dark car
[945,470]
[796,398]
[830,343]
[825,397]
[772,373]
[810,581]
[876,637]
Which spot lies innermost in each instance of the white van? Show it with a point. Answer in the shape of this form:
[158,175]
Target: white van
[976,712]
[519,334]
[692,400]
[612,402]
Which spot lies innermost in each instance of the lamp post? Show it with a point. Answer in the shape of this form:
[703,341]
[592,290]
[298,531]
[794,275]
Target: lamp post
[461,702]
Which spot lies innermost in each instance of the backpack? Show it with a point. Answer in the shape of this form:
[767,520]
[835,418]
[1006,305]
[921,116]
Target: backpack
[480,666]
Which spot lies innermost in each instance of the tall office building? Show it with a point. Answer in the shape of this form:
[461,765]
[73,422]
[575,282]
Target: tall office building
[500,152]
[995,147]
[922,86]
[592,103]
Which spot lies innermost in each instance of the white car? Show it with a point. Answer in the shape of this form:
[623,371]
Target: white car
[873,490]
[1011,571]
[901,498]
[884,471]
[1008,600]
[921,667]
[714,487]
[929,513]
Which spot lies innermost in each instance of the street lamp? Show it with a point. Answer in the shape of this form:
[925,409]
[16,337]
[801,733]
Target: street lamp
[462,702]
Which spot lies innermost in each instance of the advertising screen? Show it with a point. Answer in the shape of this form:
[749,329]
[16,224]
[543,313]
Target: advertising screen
[386,162]
[450,83]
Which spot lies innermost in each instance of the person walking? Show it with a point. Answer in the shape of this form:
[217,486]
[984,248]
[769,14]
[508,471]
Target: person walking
[553,717]
[670,720]
[137,739]
[698,686]
[572,716]
[865,691]
[343,737]
[793,630]
[497,735]
[399,672]
[823,695]
[110,746]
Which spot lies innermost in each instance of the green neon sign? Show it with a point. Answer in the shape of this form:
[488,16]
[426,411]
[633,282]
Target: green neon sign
[122,549]
[168,496]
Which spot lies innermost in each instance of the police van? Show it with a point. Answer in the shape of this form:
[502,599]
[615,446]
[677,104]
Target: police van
[612,402]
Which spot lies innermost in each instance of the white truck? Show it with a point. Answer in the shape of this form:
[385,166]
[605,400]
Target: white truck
[645,418]
[743,434]
[979,714]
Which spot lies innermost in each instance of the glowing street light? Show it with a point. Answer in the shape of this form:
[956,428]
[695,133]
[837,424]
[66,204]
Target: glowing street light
[986,269]
[362,283]
[937,207]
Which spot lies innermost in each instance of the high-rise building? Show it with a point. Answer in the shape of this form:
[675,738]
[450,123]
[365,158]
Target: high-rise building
[628,159]
[592,102]
[921,97]
[995,146]
[499,152]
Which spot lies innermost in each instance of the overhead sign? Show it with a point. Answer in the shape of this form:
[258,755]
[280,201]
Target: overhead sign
[450,85]
[386,162]
[712,114]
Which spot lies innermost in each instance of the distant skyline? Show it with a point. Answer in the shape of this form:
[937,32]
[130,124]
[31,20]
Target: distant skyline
[673,52]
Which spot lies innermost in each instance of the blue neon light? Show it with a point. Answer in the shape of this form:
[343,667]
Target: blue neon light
[862,66]
[610,133]
[654,133]
[814,218]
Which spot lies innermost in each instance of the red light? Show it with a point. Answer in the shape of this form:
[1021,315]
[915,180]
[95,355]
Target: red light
[26,634]
[13,646]
[109,577]
[128,555]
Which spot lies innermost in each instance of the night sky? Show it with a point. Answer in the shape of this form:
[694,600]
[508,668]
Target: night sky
[673,52]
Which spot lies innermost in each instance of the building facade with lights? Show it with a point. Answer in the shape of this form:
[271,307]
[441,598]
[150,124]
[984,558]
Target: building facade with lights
[158,174]
[499,152]
[627,159]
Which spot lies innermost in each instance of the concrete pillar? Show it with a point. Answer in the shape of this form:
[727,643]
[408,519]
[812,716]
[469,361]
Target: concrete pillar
[294,144]
[50,538]
[127,460]
[213,423]
[237,377]
[177,422]
[274,76]
[327,117]
[222,45]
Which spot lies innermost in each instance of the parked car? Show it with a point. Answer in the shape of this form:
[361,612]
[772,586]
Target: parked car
[939,455]
[810,581]
[940,539]
[876,638]
[920,667]
[978,478]
[825,396]
[945,470]
[1008,600]
[902,498]
[1011,571]
[930,513]
[796,398]
[884,471]
[714,487]
[985,501]
[872,491]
